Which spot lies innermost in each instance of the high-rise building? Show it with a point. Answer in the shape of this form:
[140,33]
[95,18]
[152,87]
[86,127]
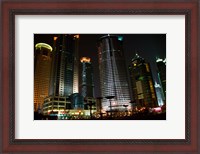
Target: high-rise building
[62,73]
[76,65]
[86,84]
[161,65]
[159,94]
[42,69]
[113,73]
[143,90]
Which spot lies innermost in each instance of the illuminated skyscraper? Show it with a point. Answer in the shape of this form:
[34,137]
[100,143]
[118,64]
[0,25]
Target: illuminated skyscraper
[64,73]
[87,85]
[76,65]
[113,74]
[160,98]
[143,90]
[161,65]
[42,68]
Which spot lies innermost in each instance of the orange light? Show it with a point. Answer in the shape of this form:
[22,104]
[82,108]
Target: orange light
[55,38]
[76,36]
[85,60]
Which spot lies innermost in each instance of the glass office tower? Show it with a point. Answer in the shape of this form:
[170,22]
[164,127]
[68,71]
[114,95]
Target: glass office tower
[113,73]
[159,94]
[161,65]
[143,90]
[64,73]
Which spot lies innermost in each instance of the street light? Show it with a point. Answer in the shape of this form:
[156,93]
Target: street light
[109,98]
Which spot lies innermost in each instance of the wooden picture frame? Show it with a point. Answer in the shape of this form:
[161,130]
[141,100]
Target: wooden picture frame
[42,7]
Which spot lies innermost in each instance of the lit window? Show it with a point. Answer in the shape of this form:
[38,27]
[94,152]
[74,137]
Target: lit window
[147,67]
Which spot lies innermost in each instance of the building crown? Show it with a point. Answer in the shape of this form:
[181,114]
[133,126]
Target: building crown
[137,57]
[43,45]
[85,60]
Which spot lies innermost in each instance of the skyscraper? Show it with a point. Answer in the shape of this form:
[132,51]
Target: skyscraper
[161,65]
[86,84]
[76,64]
[113,74]
[142,83]
[62,73]
[42,68]
[159,94]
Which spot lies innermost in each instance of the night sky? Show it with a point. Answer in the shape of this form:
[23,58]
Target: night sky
[148,46]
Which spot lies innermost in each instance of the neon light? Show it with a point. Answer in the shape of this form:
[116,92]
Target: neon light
[157,109]
[43,45]
[120,38]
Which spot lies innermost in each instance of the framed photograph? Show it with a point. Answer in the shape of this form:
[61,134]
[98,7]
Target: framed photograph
[99,77]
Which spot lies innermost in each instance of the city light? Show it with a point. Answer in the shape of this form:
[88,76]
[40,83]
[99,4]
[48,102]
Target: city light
[43,45]
[76,36]
[159,60]
[107,88]
[55,38]
[120,38]
[85,60]
[157,109]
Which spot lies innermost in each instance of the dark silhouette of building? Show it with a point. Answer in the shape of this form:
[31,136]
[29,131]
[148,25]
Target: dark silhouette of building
[77,101]
[161,65]
[143,90]
[113,73]
[86,83]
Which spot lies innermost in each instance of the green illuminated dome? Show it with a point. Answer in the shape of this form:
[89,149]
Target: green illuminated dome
[43,45]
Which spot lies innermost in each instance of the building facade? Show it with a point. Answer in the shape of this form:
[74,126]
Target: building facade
[54,105]
[113,73]
[42,69]
[143,91]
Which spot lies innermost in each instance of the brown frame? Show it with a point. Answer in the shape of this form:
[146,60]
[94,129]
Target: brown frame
[189,8]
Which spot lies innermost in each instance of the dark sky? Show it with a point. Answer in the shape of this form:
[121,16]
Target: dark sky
[148,46]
